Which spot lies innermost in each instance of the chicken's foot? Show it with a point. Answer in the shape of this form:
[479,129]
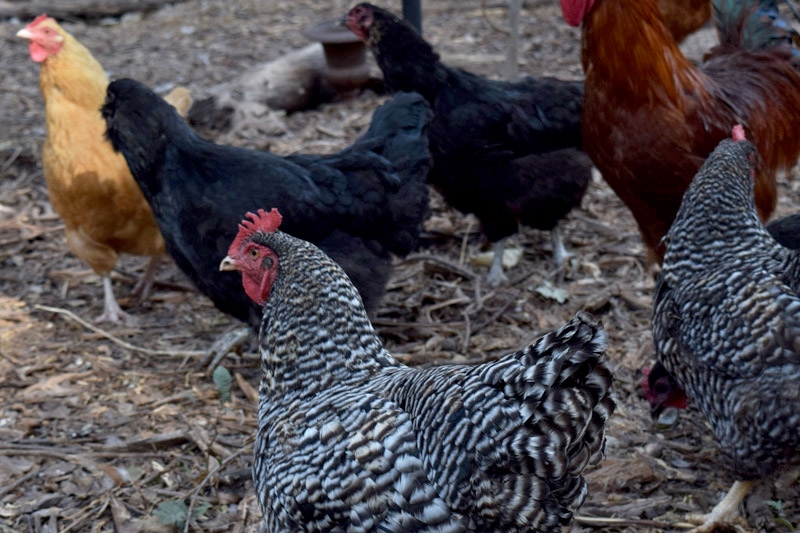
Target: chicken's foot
[112,312]
[724,512]
[496,275]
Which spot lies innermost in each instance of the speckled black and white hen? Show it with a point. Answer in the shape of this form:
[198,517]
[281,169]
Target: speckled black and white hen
[726,320]
[352,440]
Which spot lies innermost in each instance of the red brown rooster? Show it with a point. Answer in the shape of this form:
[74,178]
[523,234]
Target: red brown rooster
[650,117]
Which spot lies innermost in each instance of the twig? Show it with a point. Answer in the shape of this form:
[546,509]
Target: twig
[493,24]
[20,481]
[116,340]
[449,265]
[623,522]
[494,316]
[195,491]
[86,511]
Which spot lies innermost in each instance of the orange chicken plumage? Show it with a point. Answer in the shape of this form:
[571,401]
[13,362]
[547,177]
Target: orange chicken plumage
[651,117]
[90,186]
[684,17]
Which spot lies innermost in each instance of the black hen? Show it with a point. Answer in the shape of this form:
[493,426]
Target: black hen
[505,151]
[360,205]
[726,320]
[786,231]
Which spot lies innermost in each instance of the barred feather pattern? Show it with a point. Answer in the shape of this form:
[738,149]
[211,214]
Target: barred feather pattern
[349,439]
[726,318]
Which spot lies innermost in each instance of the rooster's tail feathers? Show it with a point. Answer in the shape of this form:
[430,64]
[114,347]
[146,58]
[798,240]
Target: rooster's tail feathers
[755,24]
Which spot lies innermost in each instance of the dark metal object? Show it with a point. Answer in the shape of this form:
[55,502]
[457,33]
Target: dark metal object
[412,13]
[345,55]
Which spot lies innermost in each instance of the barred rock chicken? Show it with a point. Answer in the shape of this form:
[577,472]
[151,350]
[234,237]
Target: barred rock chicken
[361,205]
[650,117]
[349,439]
[90,186]
[506,151]
[726,320]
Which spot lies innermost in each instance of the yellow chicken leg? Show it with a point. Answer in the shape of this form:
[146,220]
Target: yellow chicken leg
[725,511]
[112,312]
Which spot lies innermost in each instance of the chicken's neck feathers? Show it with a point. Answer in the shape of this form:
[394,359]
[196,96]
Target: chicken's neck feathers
[627,49]
[315,332]
[408,62]
[73,75]
[717,222]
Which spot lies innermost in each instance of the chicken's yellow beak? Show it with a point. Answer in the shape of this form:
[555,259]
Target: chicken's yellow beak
[228,264]
[25,33]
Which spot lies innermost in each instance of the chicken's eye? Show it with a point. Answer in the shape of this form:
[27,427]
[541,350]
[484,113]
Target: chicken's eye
[254,253]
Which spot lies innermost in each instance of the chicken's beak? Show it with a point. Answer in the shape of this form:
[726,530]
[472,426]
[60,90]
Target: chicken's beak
[25,33]
[228,264]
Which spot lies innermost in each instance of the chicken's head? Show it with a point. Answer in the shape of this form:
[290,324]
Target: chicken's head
[45,36]
[252,257]
[360,21]
[574,11]
[661,390]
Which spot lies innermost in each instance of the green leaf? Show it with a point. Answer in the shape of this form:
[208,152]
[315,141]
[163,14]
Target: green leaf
[171,513]
[200,509]
[223,381]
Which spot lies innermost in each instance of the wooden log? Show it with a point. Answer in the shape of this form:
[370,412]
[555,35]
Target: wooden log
[77,8]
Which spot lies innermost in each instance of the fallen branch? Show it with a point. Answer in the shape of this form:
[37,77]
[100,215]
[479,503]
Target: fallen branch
[78,8]
[116,340]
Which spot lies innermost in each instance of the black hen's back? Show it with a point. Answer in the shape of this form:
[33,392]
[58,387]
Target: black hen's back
[501,149]
[359,205]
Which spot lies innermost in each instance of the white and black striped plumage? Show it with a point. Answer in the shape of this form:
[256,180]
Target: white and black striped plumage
[351,440]
[726,319]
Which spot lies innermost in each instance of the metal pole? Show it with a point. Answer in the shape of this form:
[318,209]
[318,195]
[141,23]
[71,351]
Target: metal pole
[412,13]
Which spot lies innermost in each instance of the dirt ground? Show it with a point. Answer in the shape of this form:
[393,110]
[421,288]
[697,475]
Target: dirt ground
[117,429]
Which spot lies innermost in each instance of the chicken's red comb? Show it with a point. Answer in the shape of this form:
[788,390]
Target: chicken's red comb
[738,133]
[262,220]
[38,20]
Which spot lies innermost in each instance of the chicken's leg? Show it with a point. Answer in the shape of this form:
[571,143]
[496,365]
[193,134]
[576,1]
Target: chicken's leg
[145,284]
[496,275]
[560,253]
[724,512]
[112,312]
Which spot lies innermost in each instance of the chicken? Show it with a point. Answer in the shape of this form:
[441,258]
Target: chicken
[90,186]
[650,117]
[506,151]
[726,320]
[349,439]
[361,205]
[786,231]
[684,17]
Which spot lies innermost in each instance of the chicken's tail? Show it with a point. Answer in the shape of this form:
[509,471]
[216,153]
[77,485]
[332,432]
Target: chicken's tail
[755,25]
[563,384]
[568,383]
[399,134]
